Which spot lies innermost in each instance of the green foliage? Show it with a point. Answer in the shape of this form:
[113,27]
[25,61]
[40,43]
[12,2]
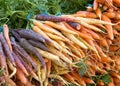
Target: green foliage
[106,78]
[14,12]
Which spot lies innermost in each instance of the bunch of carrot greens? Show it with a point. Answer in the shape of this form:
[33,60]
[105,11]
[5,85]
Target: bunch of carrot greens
[79,49]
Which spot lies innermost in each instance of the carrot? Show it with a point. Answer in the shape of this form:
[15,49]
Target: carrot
[77,77]
[75,25]
[109,14]
[49,66]
[95,5]
[79,33]
[111,83]
[52,18]
[7,50]
[117,2]
[20,75]
[59,27]
[88,80]
[100,51]
[92,33]
[69,77]
[3,63]
[98,13]
[6,35]
[38,44]
[22,52]
[108,27]
[39,31]
[28,68]
[75,40]
[85,14]
[54,51]
[100,82]
[29,48]
[116,75]
[30,34]
[91,27]
[19,64]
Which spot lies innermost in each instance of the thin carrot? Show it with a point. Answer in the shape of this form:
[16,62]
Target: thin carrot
[6,35]
[69,77]
[98,12]
[48,65]
[88,80]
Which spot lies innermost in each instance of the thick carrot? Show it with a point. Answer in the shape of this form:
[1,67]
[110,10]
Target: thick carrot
[3,63]
[59,27]
[29,48]
[38,44]
[30,34]
[22,52]
[108,27]
[6,48]
[19,64]
[6,35]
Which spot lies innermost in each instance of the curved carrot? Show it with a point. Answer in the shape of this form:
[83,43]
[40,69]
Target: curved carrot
[6,35]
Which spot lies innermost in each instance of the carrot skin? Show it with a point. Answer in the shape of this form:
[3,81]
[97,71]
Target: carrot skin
[7,50]
[38,44]
[30,34]
[29,48]
[75,25]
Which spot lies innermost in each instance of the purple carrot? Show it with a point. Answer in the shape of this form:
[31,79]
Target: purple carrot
[2,58]
[19,64]
[29,48]
[53,18]
[30,34]
[38,45]
[6,49]
[16,35]
[75,25]
[22,52]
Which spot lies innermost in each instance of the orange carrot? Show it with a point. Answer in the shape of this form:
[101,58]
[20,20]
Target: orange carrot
[80,34]
[88,80]
[108,27]
[77,77]
[116,75]
[48,65]
[6,35]
[69,77]
[100,82]
[111,83]
[109,14]
[98,12]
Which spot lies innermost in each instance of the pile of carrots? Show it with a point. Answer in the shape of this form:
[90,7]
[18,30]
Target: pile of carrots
[80,49]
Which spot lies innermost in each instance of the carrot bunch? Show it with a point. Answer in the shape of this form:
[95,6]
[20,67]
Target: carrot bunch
[77,49]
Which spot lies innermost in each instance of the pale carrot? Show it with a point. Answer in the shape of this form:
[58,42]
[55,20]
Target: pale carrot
[59,27]
[6,35]
[49,66]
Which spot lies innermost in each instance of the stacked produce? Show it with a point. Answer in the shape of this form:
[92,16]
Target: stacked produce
[80,49]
